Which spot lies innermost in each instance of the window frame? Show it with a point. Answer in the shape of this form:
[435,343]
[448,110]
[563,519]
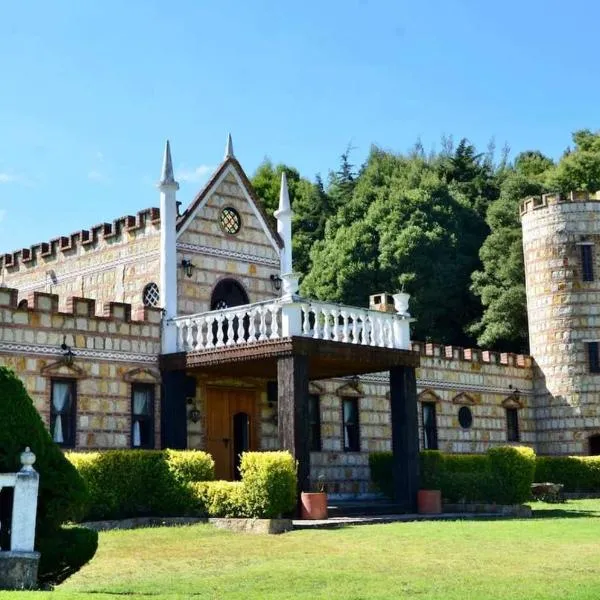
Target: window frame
[151,444]
[345,424]
[434,429]
[586,253]
[513,430]
[314,423]
[465,410]
[71,418]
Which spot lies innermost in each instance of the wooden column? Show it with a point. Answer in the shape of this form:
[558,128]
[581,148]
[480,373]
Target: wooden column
[405,436]
[173,409]
[292,417]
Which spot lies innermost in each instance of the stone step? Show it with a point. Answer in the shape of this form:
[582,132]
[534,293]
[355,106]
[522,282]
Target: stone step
[365,508]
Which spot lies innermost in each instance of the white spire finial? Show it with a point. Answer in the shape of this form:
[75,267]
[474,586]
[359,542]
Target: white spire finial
[229,148]
[284,197]
[166,176]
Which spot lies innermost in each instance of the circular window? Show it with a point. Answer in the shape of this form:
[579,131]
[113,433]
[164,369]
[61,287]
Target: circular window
[151,295]
[465,417]
[231,221]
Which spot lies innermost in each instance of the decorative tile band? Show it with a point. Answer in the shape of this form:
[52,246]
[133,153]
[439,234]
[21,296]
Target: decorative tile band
[10,348]
[207,250]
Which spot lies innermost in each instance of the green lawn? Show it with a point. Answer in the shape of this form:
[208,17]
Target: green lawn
[555,555]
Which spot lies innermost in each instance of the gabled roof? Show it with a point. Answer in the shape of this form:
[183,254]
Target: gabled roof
[230,163]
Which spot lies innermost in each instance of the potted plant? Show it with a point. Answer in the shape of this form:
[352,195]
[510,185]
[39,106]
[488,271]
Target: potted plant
[314,504]
[429,499]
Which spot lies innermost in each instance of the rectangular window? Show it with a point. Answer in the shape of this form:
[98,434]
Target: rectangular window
[142,415]
[587,262]
[430,441]
[63,394]
[314,420]
[351,425]
[593,359]
[512,425]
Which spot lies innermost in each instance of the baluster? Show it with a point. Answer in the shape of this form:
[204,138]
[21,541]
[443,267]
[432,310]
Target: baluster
[274,321]
[365,329]
[317,313]
[228,329]
[345,329]
[263,324]
[355,328]
[220,319]
[241,338]
[305,319]
[180,336]
[372,331]
[189,345]
[389,334]
[326,328]
[201,333]
[252,329]
[335,313]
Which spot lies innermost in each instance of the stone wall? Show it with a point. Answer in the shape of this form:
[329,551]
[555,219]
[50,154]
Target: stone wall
[111,262]
[564,314]
[249,256]
[110,353]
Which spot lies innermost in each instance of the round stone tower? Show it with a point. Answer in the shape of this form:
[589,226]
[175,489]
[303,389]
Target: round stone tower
[561,240]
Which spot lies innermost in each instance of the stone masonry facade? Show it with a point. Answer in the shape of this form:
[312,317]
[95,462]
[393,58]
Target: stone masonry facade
[84,320]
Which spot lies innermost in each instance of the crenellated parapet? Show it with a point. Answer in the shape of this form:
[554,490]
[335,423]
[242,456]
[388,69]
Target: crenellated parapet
[41,302]
[86,238]
[472,355]
[533,203]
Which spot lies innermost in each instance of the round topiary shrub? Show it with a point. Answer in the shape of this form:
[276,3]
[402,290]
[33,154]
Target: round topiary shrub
[62,492]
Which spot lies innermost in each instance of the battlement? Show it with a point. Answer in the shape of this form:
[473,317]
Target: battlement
[41,302]
[472,355]
[84,238]
[536,202]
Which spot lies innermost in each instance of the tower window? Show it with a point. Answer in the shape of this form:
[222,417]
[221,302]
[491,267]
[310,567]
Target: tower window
[351,426]
[587,262]
[593,358]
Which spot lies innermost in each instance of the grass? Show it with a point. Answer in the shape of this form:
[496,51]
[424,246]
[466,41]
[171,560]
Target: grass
[555,555]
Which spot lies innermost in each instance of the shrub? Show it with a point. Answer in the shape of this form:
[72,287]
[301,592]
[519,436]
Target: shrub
[576,473]
[132,483]
[65,552]
[62,492]
[502,475]
[512,469]
[269,483]
[221,498]
[380,464]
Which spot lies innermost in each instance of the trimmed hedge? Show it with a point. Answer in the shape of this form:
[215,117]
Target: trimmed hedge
[267,489]
[503,475]
[132,483]
[576,473]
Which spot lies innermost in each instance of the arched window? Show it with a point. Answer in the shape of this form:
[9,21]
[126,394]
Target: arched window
[228,293]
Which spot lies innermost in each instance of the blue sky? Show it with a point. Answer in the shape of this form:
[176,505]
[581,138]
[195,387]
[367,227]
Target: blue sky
[90,90]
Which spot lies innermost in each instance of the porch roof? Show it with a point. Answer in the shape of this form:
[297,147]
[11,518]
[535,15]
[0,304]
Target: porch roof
[326,358]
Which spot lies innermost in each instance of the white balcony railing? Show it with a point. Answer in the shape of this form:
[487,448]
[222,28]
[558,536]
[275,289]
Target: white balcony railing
[276,319]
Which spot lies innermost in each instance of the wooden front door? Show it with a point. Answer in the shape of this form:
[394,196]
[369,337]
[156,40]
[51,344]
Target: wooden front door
[230,428]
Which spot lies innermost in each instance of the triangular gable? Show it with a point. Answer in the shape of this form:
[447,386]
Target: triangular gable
[230,166]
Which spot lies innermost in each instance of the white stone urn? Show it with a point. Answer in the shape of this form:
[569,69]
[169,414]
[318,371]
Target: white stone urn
[401,303]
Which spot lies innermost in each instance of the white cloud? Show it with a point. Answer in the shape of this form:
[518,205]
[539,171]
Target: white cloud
[194,175]
[2,214]
[7,178]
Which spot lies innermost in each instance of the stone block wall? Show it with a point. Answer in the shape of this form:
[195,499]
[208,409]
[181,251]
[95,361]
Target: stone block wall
[564,315]
[249,256]
[109,354]
[108,262]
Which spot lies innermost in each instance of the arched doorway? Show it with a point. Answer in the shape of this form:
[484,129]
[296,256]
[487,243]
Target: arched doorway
[228,293]
[594,442]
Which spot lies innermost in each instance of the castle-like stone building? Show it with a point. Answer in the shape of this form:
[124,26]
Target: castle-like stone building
[185,329]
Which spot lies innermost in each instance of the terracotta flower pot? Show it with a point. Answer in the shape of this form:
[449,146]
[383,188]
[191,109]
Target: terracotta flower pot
[313,505]
[429,502]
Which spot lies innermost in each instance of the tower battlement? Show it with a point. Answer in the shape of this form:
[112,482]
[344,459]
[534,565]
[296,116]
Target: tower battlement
[533,203]
[81,239]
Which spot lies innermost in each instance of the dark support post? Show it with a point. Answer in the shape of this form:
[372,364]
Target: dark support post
[173,410]
[405,436]
[292,417]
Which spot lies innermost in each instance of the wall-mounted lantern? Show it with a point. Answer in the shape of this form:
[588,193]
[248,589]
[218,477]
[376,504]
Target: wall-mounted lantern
[188,266]
[275,282]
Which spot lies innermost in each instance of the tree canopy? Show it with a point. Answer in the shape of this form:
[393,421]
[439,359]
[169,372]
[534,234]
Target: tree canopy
[444,227]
